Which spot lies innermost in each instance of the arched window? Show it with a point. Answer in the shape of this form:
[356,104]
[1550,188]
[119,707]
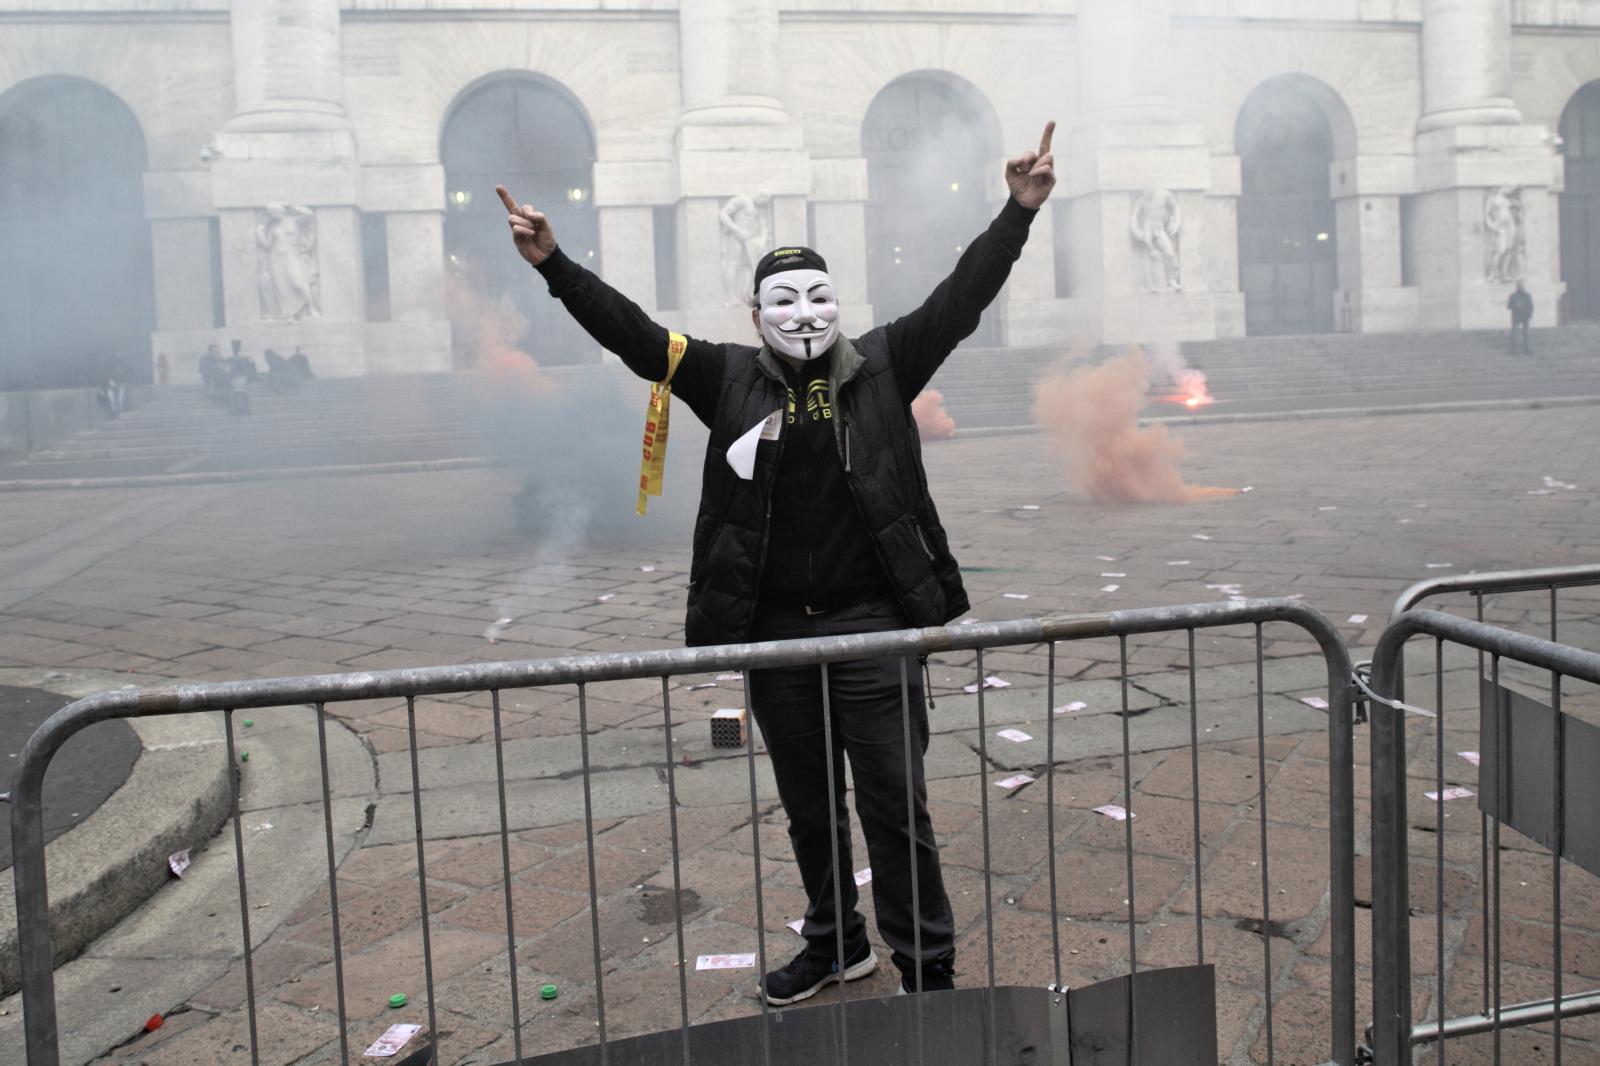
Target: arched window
[76,282]
[929,141]
[1580,203]
[530,136]
[1288,248]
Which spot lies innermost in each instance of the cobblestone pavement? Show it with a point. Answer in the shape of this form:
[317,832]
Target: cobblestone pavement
[277,578]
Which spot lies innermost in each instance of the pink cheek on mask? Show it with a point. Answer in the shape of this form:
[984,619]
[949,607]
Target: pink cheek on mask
[776,316]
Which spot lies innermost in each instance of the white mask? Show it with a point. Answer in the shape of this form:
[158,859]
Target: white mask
[799,313]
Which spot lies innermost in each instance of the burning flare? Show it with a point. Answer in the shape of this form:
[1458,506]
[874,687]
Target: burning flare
[1093,415]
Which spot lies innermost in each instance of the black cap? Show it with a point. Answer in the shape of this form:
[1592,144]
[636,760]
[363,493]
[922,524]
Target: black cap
[791,258]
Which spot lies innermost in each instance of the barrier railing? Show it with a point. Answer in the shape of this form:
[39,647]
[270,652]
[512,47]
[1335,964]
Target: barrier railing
[321,692]
[1533,800]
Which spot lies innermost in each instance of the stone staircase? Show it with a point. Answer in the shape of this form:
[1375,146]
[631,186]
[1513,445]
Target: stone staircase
[1264,375]
[431,418]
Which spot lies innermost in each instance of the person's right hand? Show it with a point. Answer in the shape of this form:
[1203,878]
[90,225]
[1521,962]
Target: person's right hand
[531,231]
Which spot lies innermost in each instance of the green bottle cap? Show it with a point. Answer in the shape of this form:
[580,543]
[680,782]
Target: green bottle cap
[547,992]
[248,722]
[244,756]
[397,1000]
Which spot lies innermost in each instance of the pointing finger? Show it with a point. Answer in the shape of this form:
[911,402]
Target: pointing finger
[505,198]
[1044,142]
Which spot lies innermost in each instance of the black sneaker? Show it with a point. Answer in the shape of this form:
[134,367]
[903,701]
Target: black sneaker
[807,973]
[934,979]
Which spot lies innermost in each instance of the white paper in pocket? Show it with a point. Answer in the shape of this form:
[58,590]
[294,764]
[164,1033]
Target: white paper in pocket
[742,453]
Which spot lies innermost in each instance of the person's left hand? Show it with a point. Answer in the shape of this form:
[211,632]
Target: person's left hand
[1031,175]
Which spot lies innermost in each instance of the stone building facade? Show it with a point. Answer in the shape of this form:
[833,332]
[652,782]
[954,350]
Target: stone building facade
[320,172]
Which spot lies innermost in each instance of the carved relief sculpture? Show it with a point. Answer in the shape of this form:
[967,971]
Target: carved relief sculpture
[1155,225]
[286,261]
[1505,237]
[746,237]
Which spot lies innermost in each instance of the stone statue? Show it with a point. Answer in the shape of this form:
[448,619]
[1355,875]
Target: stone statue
[1155,225]
[1505,240]
[286,261]
[746,237]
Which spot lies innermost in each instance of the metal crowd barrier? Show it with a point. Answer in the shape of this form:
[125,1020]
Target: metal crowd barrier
[1138,1001]
[1530,758]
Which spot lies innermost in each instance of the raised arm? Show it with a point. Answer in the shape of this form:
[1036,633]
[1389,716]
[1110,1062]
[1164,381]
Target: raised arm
[920,341]
[616,322]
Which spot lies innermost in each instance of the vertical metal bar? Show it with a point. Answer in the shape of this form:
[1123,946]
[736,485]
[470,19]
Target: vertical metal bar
[677,879]
[755,850]
[839,874]
[1558,815]
[1502,756]
[1194,782]
[988,872]
[333,883]
[594,892]
[1483,849]
[1127,833]
[1266,878]
[235,777]
[422,882]
[1391,922]
[911,829]
[1050,809]
[505,869]
[1438,832]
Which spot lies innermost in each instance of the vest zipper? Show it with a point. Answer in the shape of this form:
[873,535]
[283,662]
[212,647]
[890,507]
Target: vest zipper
[847,446]
[922,537]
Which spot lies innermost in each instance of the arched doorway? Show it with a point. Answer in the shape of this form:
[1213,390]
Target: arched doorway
[929,140]
[76,282]
[1580,203]
[1288,246]
[530,136]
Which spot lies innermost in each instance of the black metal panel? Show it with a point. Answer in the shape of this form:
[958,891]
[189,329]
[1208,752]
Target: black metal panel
[1175,1011]
[1529,807]
[1177,1027]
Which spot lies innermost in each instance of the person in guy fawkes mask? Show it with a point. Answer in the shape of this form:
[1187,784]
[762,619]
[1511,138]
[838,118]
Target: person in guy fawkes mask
[815,520]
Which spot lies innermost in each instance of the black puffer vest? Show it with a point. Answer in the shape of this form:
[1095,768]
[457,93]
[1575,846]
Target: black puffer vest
[882,455]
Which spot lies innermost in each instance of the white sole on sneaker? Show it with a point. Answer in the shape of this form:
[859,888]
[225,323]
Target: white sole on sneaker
[851,973]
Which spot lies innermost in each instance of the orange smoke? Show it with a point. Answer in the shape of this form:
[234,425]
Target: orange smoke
[484,330]
[933,421]
[1093,415]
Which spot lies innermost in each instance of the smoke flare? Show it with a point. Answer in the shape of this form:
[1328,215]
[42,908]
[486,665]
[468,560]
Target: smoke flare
[1092,414]
[933,421]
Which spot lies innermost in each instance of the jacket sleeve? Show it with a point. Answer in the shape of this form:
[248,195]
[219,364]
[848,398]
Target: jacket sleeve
[920,342]
[622,328]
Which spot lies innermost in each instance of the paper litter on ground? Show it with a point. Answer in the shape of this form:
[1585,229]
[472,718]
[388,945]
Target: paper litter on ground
[1315,701]
[989,682]
[1471,756]
[1016,736]
[1450,794]
[1357,618]
[1115,813]
[393,1039]
[863,876]
[725,962]
[1113,573]
[1110,588]
[1199,536]
[1106,558]
[1075,705]
[1027,507]
[703,684]
[178,862]
[1014,781]
[648,569]
[1177,562]
[1248,488]
[1439,566]
[797,925]
[1015,595]
[603,597]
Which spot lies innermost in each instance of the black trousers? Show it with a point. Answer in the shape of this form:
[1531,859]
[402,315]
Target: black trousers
[869,727]
[1523,326]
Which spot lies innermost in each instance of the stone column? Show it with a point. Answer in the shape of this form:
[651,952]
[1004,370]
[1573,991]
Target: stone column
[1131,156]
[734,138]
[1484,177]
[285,186]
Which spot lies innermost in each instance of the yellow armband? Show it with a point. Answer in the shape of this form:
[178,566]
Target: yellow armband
[653,464]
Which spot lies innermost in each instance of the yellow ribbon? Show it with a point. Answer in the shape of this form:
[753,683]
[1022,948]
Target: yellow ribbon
[653,463]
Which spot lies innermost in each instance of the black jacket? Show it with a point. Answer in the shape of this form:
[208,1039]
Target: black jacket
[873,379]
